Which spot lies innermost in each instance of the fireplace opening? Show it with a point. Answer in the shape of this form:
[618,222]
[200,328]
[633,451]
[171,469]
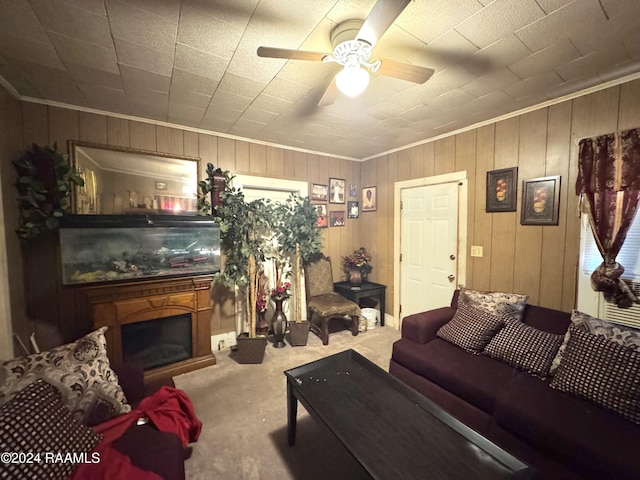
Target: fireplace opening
[158,342]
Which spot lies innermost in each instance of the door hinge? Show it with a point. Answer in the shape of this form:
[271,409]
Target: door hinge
[401,204]
[400,311]
[401,257]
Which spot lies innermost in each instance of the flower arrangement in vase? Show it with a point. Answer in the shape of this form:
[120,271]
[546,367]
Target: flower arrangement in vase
[357,265]
[281,291]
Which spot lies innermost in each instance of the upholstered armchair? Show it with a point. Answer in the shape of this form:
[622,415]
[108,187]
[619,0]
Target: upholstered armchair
[323,303]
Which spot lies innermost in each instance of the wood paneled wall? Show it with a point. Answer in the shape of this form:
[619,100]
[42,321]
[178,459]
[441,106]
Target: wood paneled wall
[58,313]
[538,261]
[535,260]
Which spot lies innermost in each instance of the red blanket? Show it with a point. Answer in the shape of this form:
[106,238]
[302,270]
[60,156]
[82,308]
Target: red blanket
[169,409]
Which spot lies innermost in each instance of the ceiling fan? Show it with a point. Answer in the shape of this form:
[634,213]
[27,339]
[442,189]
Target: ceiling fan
[353,42]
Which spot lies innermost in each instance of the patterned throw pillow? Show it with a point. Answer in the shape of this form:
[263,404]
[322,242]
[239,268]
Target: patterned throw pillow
[471,329]
[601,371]
[625,336]
[36,422]
[79,370]
[524,347]
[497,303]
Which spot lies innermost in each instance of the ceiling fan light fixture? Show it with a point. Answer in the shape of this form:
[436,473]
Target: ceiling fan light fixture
[352,80]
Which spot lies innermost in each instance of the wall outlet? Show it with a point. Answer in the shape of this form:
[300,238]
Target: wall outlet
[476,251]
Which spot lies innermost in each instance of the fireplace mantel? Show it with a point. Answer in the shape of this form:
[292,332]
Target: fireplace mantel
[114,305]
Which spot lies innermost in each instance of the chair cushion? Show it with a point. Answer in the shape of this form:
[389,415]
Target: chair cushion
[332,304]
[524,347]
[471,328]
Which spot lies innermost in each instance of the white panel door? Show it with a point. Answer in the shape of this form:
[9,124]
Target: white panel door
[429,246]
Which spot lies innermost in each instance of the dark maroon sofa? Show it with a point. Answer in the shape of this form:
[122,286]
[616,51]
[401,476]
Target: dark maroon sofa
[148,448]
[561,436]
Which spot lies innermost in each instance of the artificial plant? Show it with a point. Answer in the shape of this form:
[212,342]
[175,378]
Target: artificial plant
[45,182]
[244,228]
[209,186]
[297,237]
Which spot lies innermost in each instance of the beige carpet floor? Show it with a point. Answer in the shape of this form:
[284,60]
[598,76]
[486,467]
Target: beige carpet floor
[243,409]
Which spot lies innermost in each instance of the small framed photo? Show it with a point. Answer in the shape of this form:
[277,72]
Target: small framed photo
[540,201]
[502,190]
[353,190]
[321,220]
[336,190]
[319,193]
[369,201]
[161,185]
[353,209]
[336,218]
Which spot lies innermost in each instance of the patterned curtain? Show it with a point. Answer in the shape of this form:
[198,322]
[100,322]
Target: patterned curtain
[609,182]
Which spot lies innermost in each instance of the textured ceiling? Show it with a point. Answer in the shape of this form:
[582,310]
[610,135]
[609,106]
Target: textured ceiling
[194,63]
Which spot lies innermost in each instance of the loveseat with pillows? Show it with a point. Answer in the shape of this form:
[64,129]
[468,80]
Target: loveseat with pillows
[69,413]
[560,391]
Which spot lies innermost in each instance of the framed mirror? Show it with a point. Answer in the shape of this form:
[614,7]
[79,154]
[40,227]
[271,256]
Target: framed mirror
[126,181]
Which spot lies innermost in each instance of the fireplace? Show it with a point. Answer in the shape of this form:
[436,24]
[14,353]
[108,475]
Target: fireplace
[158,342]
[146,318]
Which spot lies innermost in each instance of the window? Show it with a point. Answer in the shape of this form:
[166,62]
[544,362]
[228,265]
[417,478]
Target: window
[592,302]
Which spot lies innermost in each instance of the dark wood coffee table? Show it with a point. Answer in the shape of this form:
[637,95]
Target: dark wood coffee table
[389,428]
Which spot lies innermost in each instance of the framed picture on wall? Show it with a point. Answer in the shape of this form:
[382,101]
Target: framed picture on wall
[336,190]
[502,190]
[540,201]
[369,200]
[353,209]
[319,193]
[321,220]
[353,190]
[336,218]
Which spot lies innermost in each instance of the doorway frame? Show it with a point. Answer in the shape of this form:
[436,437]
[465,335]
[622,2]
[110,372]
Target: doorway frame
[463,193]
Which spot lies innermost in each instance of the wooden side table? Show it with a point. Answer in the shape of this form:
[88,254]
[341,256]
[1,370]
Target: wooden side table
[366,290]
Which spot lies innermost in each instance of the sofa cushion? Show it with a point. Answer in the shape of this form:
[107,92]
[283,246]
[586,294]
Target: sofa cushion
[36,421]
[524,347]
[471,328]
[585,437]
[497,303]
[474,378]
[625,336]
[79,370]
[602,371]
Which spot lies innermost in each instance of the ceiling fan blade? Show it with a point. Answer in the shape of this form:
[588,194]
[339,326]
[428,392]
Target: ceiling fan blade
[382,15]
[405,71]
[330,94]
[271,52]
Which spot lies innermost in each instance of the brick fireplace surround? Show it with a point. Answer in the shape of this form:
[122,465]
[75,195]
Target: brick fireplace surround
[115,305]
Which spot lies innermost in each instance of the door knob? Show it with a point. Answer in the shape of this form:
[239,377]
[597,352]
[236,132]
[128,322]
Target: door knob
[451,278]
[452,257]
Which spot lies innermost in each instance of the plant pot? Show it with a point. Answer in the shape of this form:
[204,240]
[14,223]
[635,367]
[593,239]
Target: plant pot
[299,333]
[250,350]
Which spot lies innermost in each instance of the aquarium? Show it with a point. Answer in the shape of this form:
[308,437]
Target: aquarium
[111,248]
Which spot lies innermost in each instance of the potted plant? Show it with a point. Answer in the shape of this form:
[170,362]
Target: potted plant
[45,181]
[299,240]
[243,229]
[357,267]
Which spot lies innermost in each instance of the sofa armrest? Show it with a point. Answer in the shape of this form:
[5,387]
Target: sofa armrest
[422,327]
